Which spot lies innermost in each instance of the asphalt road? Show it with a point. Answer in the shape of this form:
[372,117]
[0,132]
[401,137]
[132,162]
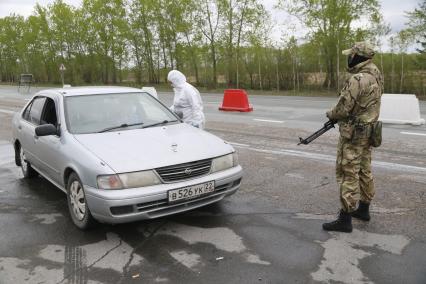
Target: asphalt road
[269,232]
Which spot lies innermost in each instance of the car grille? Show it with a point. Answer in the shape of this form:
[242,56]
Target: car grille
[185,171]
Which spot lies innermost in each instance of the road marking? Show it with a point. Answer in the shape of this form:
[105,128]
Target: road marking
[267,120]
[329,158]
[300,101]
[7,154]
[110,254]
[413,133]
[222,238]
[190,260]
[7,111]
[238,144]
[344,252]
[46,219]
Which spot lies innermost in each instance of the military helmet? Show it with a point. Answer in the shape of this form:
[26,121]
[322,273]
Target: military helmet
[361,48]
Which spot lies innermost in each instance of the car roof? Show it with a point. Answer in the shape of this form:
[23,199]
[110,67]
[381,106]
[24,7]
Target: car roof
[93,90]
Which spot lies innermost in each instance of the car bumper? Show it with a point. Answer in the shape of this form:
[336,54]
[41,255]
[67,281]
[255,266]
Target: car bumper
[128,205]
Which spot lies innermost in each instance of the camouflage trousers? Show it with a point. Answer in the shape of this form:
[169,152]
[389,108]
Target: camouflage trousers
[353,173]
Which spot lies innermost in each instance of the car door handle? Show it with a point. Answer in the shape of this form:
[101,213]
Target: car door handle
[35,137]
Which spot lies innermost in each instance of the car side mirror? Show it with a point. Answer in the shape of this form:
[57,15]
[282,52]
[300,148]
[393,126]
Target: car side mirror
[46,130]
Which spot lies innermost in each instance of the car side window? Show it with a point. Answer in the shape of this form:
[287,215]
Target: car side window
[26,114]
[49,113]
[36,110]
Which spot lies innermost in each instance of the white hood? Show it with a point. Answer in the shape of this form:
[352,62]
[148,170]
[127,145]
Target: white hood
[176,78]
[142,149]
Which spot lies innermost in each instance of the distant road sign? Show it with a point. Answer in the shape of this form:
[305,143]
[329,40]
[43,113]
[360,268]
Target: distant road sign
[62,67]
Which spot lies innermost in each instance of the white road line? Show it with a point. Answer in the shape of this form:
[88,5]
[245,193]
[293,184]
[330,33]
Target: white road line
[6,153]
[301,101]
[329,158]
[267,120]
[413,133]
[6,161]
[238,144]
[7,111]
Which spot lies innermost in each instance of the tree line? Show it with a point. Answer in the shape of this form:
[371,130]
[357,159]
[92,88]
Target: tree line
[216,43]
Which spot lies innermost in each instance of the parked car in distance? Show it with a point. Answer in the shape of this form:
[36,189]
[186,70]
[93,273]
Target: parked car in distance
[120,155]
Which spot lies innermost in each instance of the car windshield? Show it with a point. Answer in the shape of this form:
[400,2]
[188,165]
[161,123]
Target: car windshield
[113,112]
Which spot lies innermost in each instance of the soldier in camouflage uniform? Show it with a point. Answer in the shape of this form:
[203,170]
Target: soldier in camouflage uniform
[357,109]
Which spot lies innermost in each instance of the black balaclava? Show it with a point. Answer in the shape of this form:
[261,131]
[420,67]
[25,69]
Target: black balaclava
[354,60]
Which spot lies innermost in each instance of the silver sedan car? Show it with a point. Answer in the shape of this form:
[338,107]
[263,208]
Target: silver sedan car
[120,155]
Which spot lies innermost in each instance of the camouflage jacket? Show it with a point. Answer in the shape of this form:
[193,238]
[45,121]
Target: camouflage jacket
[359,100]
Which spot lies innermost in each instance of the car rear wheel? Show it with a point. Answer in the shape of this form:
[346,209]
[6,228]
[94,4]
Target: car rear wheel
[77,204]
[26,168]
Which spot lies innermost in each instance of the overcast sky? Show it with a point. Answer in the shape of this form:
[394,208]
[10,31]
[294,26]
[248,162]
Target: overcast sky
[393,12]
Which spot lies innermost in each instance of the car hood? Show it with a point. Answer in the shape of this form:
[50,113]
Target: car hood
[142,149]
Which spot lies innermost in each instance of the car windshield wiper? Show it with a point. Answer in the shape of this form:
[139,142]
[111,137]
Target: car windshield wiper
[159,123]
[124,125]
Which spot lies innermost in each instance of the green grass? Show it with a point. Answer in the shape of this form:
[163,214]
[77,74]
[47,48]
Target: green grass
[167,88]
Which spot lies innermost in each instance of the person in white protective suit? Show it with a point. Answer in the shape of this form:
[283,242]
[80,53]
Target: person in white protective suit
[187,102]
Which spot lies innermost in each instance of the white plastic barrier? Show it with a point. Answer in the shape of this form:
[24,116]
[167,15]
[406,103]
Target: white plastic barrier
[400,109]
[150,90]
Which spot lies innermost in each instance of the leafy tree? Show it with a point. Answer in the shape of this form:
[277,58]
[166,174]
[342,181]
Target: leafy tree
[141,37]
[208,18]
[107,22]
[379,30]
[241,17]
[403,39]
[62,23]
[417,25]
[216,43]
[12,53]
[330,24]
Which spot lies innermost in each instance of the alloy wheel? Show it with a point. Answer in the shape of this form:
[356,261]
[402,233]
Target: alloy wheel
[24,163]
[77,200]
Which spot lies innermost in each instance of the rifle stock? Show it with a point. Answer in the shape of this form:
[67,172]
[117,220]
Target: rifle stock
[327,126]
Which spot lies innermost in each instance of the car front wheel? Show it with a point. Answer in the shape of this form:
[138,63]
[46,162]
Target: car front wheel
[26,168]
[77,205]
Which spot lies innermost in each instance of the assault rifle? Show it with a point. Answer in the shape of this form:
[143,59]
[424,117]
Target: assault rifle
[327,126]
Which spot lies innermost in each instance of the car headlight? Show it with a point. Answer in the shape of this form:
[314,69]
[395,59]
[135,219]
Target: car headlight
[224,162]
[235,159]
[139,179]
[128,180]
[109,182]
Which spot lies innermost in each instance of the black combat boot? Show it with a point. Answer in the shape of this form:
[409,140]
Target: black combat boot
[363,211]
[342,224]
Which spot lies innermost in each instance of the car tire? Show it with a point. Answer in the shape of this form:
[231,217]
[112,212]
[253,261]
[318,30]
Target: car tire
[77,203]
[26,168]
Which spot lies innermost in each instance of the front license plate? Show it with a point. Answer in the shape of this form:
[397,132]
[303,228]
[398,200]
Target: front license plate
[190,192]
